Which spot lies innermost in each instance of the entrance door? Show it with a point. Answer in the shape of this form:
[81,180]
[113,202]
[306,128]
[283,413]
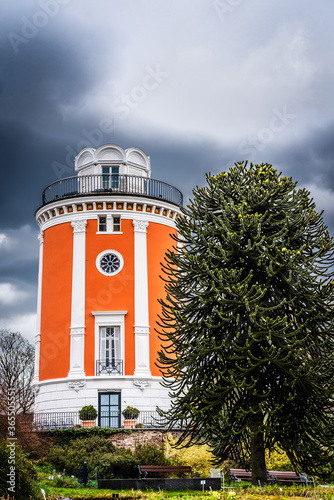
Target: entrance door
[110,409]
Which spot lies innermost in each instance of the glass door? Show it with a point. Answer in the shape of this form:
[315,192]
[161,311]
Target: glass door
[109,409]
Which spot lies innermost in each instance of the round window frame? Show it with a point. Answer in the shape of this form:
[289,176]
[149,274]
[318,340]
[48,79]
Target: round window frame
[108,252]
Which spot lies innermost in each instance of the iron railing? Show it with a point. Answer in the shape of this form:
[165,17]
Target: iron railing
[111,419]
[109,367]
[82,185]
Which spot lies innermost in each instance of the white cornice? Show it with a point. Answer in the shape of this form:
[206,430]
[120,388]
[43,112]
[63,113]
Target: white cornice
[124,214]
[142,200]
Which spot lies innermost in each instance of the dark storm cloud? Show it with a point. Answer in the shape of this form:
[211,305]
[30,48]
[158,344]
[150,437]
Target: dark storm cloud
[223,77]
[41,88]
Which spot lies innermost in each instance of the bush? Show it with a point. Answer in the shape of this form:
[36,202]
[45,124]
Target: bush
[97,452]
[65,436]
[88,413]
[24,473]
[278,460]
[130,413]
[198,457]
[147,454]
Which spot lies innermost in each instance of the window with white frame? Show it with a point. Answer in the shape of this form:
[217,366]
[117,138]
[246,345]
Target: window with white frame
[109,223]
[116,224]
[109,342]
[102,223]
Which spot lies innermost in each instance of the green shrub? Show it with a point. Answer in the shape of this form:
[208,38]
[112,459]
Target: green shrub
[65,436]
[130,413]
[198,457]
[277,460]
[97,452]
[147,454]
[88,413]
[24,473]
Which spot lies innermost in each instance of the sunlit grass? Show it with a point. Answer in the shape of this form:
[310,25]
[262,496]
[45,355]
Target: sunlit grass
[249,493]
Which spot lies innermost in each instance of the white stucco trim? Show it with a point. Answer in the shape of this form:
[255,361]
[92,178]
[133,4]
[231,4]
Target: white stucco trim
[109,318]
[55,217]
[77,331]
[141,326]
[39,309]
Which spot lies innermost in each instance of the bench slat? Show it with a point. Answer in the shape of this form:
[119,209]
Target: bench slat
[145,469]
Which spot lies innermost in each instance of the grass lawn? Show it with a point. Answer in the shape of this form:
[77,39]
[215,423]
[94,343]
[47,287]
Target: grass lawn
[248,493]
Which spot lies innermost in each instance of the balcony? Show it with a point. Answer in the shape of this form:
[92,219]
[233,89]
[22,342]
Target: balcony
[111,419]
[109,367]
[111,184]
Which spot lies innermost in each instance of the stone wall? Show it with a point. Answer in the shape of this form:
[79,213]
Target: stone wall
[142,436]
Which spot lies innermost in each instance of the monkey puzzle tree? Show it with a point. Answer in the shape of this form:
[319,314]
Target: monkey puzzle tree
[247,322]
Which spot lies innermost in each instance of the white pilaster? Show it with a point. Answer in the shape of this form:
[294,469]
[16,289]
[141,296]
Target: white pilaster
[39,308]
[141,327]
[77,342]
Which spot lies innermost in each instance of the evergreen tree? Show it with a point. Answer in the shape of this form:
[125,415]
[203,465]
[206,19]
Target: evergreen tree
[247,323]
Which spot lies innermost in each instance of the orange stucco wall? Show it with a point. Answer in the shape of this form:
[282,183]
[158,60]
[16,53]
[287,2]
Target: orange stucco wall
[56,302]
[103,293]
[158,240]
[110,293]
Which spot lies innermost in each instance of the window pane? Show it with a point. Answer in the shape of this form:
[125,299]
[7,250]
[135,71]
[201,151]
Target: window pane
[116,224]
[102,223]
[115,177]
[104,399]
[113,399]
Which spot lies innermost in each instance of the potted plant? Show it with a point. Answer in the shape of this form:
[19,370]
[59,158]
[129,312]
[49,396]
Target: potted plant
[88,416]
[130,415]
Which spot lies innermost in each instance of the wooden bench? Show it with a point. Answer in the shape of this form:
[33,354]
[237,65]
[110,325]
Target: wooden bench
[144,470]
[240,475]
[289,477]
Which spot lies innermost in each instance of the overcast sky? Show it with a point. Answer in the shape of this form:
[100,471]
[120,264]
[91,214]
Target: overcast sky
[196,84]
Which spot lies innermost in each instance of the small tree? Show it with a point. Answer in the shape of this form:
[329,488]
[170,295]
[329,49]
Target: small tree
[16,371]
[247,324]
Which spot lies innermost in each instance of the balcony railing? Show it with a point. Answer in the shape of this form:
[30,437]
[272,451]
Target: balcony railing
[111,184]
[109,367]
[111,419]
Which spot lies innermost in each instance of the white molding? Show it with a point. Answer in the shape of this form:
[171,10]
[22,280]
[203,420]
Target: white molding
[68,218]
[141,328]
[142,383]
[79,226]
[76,385]
[39,308]
[109,313]
[140,226]
[77,335]
[93,214]
[105,319]
[88,378]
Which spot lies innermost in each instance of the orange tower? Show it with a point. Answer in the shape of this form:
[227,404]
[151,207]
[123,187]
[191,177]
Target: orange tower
[103,236]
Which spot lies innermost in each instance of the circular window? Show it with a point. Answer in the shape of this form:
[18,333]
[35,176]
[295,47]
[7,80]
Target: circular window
[109,262]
